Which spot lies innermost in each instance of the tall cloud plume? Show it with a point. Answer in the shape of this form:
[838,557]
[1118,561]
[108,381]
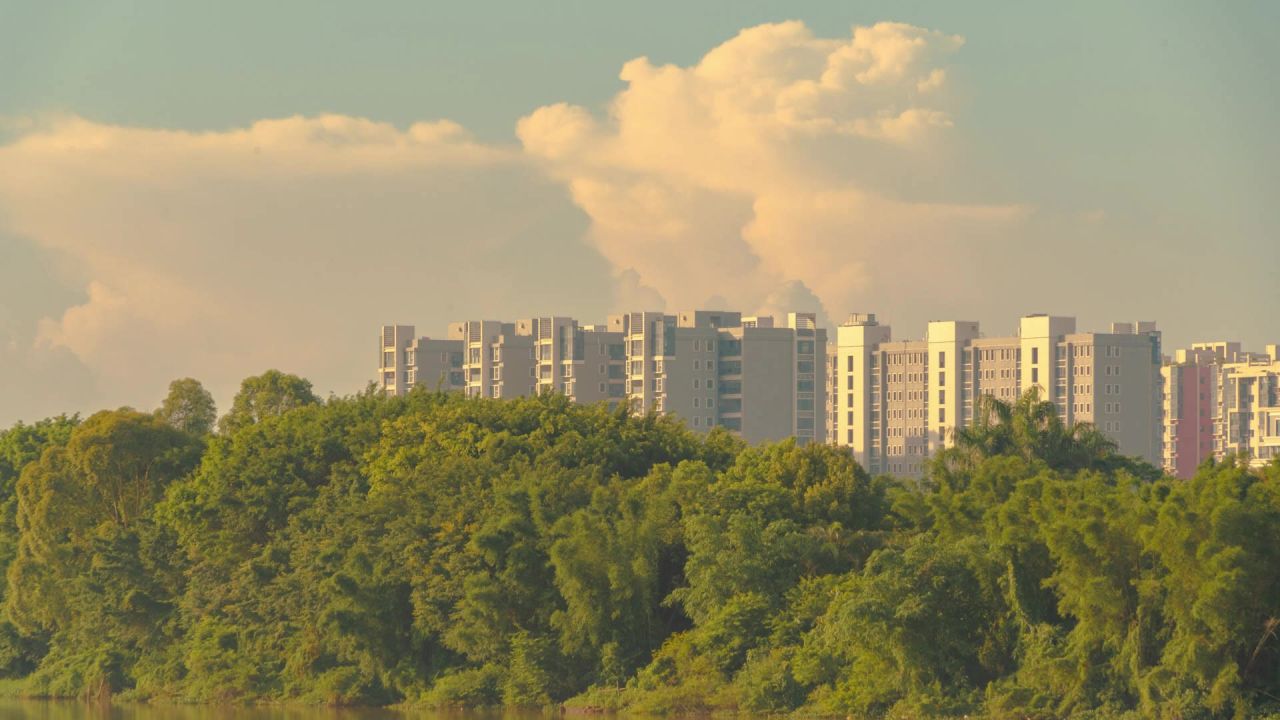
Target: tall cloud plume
[761,168]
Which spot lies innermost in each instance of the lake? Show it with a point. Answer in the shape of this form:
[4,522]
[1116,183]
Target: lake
[11,709]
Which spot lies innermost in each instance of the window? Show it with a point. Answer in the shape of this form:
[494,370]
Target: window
[850,364]
[388,358]
[696,401]
[1035,374]
[942,417]
[942,378]
[942,397]
[1035,355]
[942,359]
[697,421]
[695,383]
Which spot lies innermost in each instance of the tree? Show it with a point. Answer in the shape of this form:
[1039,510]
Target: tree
[266,395]
[188,407]
[93,572]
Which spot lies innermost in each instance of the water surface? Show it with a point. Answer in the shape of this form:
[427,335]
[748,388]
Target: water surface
[12,709]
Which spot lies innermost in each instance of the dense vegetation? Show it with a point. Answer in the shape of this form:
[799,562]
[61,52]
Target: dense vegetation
[438,550]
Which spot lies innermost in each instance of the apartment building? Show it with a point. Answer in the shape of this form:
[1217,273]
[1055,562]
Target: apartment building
[1191,404]
[587,363]
[772,380]
[1219,400]
[407,360]
[899,401]
[1248,419]
[758,380]
[497,361]
[718,368]
[833,393]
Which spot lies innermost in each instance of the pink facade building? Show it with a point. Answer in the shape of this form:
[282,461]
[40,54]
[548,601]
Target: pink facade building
[1188,416]
[1196,406]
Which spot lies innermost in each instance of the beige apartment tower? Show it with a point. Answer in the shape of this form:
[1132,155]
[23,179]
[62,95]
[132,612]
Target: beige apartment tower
[756,379]
[899,402]
[407,361]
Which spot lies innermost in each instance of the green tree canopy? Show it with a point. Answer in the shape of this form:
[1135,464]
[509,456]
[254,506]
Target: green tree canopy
[267,395]
[188,407]
[440,550]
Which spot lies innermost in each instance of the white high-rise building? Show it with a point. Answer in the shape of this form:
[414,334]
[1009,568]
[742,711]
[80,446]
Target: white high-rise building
[1247,423]
[899,402]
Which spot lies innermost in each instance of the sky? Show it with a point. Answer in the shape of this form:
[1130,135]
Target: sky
[214,189]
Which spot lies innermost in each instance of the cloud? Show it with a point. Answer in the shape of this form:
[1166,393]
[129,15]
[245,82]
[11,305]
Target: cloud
[283,244]
[779,172]
[769,165]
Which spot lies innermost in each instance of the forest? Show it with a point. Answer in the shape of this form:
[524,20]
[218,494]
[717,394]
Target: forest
[439,551]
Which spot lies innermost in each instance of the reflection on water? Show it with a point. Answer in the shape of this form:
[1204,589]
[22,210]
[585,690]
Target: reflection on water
[71,710]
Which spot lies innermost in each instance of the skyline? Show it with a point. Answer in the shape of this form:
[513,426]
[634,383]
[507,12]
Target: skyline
[182,194]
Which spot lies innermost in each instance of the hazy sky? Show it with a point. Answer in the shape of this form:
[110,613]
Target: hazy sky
[214,189]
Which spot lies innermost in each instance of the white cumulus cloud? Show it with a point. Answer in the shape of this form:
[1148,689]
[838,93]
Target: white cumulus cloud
[755,169]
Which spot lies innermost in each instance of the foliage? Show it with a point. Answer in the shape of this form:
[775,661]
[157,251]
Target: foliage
[267,395]
[445,551]
[188,407]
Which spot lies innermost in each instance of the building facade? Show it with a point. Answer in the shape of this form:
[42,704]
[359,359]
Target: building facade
[1191,404]
[407,360]
[1248,421]
[758,380]
[899,402]
[1220,400]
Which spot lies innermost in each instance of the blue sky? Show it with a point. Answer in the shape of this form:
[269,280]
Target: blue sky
[1137,136]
